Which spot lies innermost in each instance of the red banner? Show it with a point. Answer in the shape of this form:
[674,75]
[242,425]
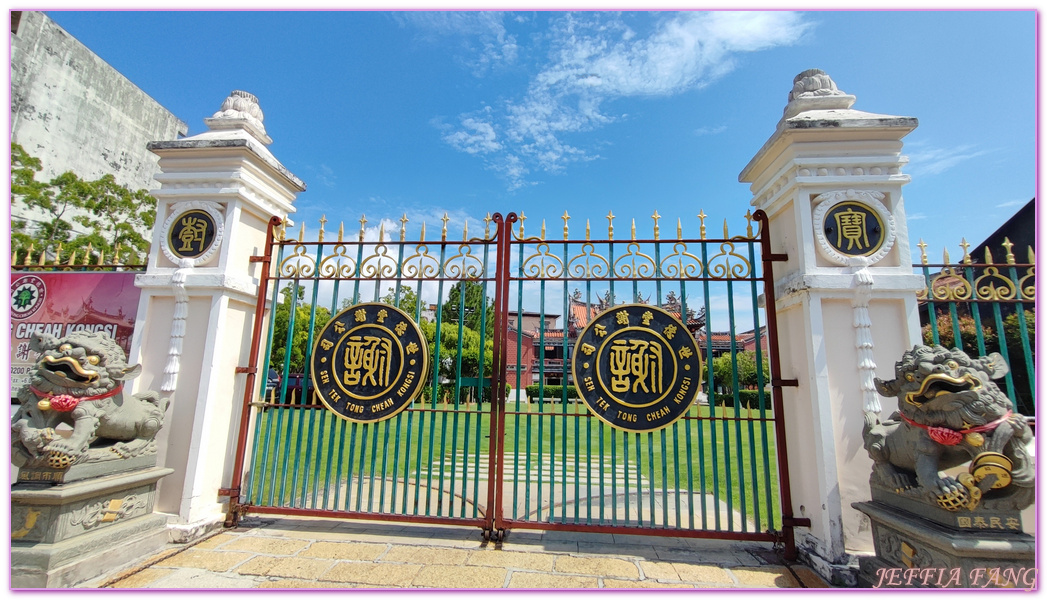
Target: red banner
[61,303]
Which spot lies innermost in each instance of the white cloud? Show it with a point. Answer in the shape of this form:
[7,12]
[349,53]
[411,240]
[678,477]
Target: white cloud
[933,161]
[493,45]
[916,216]
[710,130]
[1012,203]
[594,58]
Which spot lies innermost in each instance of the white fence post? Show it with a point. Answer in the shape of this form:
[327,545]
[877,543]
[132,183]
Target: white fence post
[830,179]
[218,191]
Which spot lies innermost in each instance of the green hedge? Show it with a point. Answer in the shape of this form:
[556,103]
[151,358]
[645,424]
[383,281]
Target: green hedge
[748,399]
[552,391]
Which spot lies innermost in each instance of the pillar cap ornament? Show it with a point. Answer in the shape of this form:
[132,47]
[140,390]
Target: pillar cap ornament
[813,89]
[240,110]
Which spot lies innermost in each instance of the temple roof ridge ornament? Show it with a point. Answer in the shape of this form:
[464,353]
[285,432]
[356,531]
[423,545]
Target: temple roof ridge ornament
[240,110]
[814,89]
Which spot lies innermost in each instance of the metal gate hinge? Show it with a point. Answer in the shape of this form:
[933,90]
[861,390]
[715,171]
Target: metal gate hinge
[785,382]
[796,522]
[257,259]
[249,370]
[228,492]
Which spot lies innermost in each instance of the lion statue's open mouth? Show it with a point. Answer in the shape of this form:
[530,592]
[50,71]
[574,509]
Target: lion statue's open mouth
[940,384]
[66,369]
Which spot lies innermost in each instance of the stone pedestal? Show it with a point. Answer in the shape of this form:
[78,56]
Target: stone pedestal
[66,534]
[923,553]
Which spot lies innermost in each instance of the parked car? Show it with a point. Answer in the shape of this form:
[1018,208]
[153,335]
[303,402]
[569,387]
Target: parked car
[272,382]
[294,384]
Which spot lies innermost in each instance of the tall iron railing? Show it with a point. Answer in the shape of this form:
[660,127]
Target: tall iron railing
[982,307]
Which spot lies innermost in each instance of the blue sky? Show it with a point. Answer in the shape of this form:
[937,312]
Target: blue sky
[473,112]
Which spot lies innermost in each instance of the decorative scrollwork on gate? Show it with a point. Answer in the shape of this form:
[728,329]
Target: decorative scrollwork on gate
[337,265]
[639,265]
[994,286]
[425,265]
[379,265]
[588,264]
[679,268]
[739,268]
[299,264]
[947,286]
[542,264]
[1027,284]
[463,265]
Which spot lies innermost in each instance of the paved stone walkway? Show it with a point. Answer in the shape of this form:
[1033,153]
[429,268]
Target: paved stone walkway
[322,553]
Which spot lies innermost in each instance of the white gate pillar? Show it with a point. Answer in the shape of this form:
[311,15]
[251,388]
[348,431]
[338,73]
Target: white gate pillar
[218,191]
[830,180]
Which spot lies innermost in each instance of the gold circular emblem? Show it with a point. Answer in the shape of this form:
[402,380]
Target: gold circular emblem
[369,362]
[191,234]
[854,229]
[637,367]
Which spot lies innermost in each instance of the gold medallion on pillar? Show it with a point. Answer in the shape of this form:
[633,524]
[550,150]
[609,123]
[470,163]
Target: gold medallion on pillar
[369,362]
[853,224]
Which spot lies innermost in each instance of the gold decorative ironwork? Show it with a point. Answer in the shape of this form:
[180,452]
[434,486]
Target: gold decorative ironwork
[299,264]
[403,227]
[378,265]
[644,269]
[542,264]
[594,265]
[656,217]
[463,265]
[728,268]
[426,267]
[610,225]
[1026,284]
[337,265]
[994,286]
[678,268]
[701,217]
[948,285]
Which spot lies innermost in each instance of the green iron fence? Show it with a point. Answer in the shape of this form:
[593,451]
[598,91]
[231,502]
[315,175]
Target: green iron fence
[501,312]
[984,307]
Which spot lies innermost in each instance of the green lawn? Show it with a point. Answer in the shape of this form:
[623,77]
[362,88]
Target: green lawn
[301,455]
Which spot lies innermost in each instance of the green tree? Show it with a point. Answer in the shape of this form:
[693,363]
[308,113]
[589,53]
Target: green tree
[300,336]
[407,300]
[968,333]
[479,308]
[723,370]
[78,212]
[446,365]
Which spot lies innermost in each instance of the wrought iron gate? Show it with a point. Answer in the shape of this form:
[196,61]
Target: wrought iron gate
[498,438]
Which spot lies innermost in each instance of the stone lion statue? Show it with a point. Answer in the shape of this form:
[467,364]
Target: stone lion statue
[79,382]
[950,412]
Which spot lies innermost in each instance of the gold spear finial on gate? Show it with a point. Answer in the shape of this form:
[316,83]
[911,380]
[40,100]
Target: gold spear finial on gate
[523,218]
[566,217]
[701,216]
[341,231]
[923,251]
[487,226]
[988,256]
[587,230]
[101,257]
[679,229]
[422,237]
[72,259]
[58,253]
[29,253]
[656,216]
[1008,245]
[726,235]
[610,225]
[403,227]
[749,224]
[301,233]
[945,255]
[363,222]
[323,222]
[966,257]
[87,255]
[381,231]
[43,258]
[443,232]
[465,230]
[542,235]
[1032,255]
[632,230]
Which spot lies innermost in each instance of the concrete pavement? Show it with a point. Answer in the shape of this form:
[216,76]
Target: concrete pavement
[267,552]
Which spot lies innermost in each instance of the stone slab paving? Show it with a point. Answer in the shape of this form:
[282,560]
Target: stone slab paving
[322,553]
